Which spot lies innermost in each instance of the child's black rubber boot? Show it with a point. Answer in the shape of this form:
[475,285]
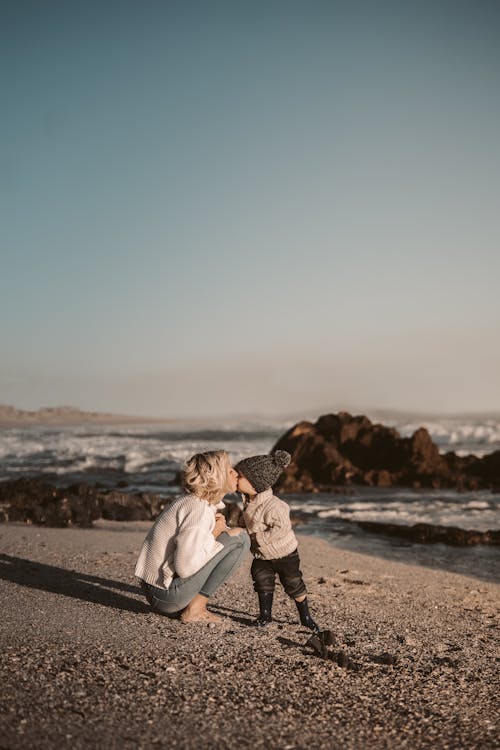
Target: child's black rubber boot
[266,606]
[305,616]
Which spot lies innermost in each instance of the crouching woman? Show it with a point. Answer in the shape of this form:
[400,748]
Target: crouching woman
[189,551]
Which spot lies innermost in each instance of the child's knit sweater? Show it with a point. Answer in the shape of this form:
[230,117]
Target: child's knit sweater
[267,519]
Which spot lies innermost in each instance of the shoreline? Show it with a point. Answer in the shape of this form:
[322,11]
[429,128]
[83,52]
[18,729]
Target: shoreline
[478,561]
[46,500]
[87,664]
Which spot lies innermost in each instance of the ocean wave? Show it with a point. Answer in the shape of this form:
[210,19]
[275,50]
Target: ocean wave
[453,434]
[476,510]
[147,459]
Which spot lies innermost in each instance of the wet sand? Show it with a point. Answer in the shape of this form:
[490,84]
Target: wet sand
[86,664]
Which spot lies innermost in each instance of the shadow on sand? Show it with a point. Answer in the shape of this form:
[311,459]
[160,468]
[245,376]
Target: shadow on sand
[82,586]
[242,617]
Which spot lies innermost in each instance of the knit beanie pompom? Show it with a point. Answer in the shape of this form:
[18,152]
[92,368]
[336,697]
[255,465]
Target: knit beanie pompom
[281,458]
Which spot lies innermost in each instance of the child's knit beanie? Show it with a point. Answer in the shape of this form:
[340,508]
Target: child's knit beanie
[263,471]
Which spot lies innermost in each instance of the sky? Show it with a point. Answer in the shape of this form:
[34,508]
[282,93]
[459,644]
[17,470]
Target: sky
[216,208]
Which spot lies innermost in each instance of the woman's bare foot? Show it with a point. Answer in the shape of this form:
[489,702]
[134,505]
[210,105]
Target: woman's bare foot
[196,611]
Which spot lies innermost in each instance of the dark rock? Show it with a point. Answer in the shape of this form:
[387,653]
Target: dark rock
[84,504]
[445,661]
[36,501]
[342,659]
[321,642]
[424,462]
[341,449]
[486,469]
[425,533]
[328,637]
[385,658]
[345,661]
[121,506]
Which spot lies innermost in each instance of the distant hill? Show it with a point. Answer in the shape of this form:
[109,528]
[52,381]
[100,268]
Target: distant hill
[64,415]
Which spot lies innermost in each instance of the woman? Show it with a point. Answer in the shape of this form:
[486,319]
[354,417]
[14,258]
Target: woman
[189,551]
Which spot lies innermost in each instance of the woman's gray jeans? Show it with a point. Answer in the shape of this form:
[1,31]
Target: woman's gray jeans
[205,581]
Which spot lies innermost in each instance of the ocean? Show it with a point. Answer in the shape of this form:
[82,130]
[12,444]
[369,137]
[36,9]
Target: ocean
[146,458]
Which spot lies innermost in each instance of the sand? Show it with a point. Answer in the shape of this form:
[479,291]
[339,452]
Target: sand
[86,664]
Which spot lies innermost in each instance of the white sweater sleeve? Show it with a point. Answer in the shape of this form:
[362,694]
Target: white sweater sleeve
[196,544]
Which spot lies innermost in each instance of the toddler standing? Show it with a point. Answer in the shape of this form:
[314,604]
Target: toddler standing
[273,542]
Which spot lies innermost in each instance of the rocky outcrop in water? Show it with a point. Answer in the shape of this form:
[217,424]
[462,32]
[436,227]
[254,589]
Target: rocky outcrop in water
[426,533]
[340,449]
[35,501]
[38,502]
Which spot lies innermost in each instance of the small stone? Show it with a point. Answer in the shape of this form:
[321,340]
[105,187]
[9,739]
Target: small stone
[385,658]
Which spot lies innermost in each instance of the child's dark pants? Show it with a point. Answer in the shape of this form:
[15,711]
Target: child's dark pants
[287,568]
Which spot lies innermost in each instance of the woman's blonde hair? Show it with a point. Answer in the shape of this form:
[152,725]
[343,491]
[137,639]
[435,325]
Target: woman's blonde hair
[207,475]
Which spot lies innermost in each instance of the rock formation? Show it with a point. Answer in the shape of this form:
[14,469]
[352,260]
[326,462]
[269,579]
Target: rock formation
[426,533]
[35,501]
[340,450]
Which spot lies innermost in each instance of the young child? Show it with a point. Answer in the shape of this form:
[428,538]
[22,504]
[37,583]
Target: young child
[273,543]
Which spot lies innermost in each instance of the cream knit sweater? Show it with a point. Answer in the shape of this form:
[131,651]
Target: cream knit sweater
[267,519]
[180,542]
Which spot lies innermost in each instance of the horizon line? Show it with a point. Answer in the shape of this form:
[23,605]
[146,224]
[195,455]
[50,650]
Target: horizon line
[292,415]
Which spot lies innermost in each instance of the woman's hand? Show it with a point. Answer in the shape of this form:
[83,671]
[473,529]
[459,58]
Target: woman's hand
[220,525]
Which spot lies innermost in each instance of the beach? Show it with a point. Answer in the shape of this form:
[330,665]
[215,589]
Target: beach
[86,664]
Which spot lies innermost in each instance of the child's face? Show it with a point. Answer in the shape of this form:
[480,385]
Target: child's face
[245,486]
